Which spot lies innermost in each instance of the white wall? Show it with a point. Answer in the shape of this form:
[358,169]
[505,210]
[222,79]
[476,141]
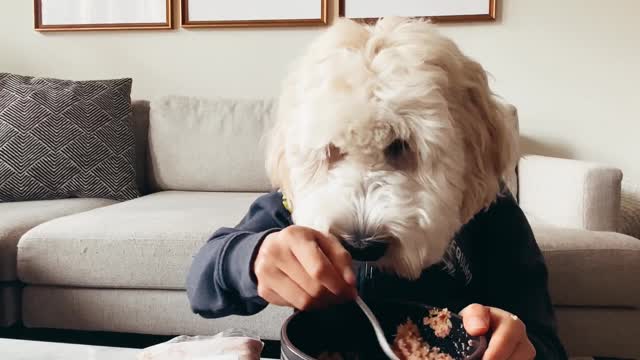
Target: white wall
[571,66]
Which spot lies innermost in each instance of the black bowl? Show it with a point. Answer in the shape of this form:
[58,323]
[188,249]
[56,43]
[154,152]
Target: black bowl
[345,329]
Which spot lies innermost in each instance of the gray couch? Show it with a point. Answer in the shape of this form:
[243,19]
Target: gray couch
[93,264]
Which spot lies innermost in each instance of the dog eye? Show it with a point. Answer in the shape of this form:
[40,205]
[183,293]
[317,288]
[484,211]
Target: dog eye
[396,149]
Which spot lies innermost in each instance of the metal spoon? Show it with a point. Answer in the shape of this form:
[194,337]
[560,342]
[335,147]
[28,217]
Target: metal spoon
[382,340]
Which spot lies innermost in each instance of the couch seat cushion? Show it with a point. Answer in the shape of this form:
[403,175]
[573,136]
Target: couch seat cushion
[143,243]
[589,268]
[142,311]
[19,217]
[9,304]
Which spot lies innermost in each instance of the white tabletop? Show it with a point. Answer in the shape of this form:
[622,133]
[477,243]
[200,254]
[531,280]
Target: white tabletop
[37,350]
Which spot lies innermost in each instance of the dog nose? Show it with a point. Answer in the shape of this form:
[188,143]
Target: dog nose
[365,247]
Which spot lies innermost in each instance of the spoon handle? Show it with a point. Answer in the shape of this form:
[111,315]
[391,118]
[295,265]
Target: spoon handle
[382,340]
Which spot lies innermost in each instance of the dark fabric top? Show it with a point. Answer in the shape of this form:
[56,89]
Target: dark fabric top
[494,260]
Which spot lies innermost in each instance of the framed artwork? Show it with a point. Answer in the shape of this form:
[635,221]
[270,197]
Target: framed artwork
[438,10]
[69,15]
[253,13]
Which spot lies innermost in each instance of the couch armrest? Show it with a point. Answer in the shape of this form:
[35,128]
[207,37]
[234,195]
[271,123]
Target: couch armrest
[570,193]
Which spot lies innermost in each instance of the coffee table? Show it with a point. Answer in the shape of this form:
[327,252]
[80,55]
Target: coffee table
[11,349]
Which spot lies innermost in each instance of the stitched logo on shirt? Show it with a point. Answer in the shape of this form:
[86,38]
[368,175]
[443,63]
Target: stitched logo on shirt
[455,263]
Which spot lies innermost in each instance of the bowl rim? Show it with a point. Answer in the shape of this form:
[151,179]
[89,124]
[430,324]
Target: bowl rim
[481,340]
[285,338]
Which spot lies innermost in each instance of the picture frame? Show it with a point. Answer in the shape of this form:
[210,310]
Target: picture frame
[83,15]
[253,13]
[436,10]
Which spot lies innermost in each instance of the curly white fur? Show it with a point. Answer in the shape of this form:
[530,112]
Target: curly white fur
[389,130]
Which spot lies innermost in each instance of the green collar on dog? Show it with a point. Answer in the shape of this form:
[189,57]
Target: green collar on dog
[286,203]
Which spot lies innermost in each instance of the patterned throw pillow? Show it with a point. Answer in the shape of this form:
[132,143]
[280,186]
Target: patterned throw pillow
[65,139]
[630,209]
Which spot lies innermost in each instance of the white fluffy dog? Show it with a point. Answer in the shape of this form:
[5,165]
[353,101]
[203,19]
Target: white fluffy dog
[389,131]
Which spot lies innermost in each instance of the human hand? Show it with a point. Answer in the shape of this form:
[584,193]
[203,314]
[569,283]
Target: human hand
[303,268]
[508,335]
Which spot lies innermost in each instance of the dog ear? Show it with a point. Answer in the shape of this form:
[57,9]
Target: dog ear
[344,34]
[491,145]
[276,164]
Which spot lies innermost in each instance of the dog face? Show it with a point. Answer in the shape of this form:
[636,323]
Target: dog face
[389,132]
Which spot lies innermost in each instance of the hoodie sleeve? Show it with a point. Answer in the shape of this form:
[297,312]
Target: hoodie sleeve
[220,281]
[511,274]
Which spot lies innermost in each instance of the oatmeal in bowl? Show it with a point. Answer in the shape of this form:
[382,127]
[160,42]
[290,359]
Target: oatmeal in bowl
[416,332]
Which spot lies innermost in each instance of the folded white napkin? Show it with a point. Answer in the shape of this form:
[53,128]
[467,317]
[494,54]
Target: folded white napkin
[228,345]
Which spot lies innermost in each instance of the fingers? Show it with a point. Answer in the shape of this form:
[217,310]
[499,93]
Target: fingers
[318,265]
[508,333]
[339,257]
[476,319]
[286,291]
[281,291]
[509,339]
[524,351]
[272,298]
[303,268]
[294,270]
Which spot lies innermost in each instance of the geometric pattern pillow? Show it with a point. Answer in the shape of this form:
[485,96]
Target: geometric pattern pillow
[630,210]
[65,139]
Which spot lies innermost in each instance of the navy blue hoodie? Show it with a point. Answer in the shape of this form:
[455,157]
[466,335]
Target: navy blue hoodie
[493,260]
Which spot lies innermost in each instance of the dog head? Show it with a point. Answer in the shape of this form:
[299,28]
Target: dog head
[389,132]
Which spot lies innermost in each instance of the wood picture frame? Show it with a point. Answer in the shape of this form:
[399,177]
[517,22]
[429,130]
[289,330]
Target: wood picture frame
[489,13]
[263,16]
[89,19]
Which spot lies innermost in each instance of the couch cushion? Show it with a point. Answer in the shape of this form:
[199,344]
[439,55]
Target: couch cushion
[156,312]
[9,304]
[140,125]
[589,268]
[19,217]
[65,139]
[144,243]
[207,144]
[603,332]
[149,243]
[630,210]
